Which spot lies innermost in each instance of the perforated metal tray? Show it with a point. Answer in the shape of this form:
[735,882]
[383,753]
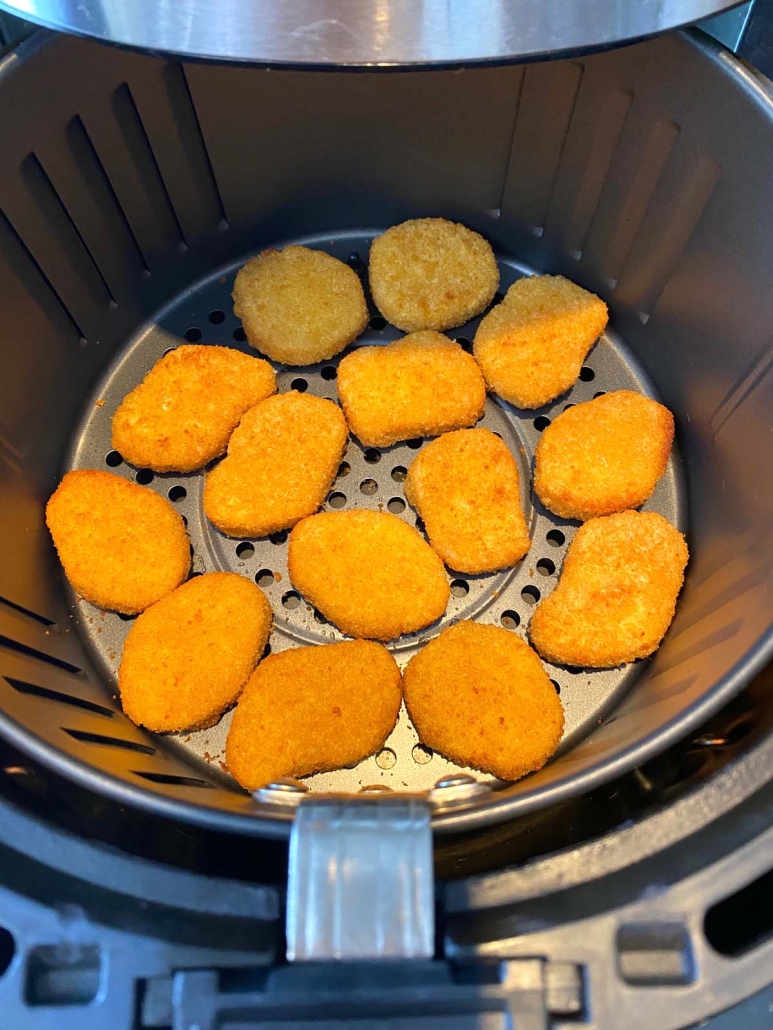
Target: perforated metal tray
[368,478]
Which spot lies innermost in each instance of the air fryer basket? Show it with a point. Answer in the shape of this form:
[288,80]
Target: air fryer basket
[130,186]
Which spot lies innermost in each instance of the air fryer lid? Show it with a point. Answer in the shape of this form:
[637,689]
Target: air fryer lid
[337,32]
[134,183]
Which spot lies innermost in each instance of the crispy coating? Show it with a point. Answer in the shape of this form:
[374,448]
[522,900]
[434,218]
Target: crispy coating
[187,658]
[465,486]
[603,456]
[181,415]
[282,458]
[422,385]
[479,695]
[122,546]
[368,572]
[429,273]
[312,709]
[298,305]
[531,346]
[617,593]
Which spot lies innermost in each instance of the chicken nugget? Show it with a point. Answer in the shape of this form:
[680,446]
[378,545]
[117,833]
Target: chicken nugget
[187,658]
[368,572]
[531,347]
[479,695]
[298,305]
[282,458]
[422,385]
[465,486]
[603,456]
[122,546]
[312,709]
[429,273]
[617,593]
[181,415]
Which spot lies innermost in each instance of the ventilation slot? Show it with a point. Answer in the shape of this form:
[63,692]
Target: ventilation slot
[53,293]
[743,921]
[97,738]
[173,781]
[141,153]
[41,656]
[22,687]
[26,611]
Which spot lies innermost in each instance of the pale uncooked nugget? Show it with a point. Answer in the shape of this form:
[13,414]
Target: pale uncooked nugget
[603,456]
[299,305]
[617,594]
[187,658]
[368,572]
[312,709]
[183,412]
[465,486]
[531,346]
[479,695]
[422,385]
[123,547]
[282,458]
[429,273]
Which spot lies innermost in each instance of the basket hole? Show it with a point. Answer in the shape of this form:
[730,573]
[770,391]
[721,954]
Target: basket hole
[126,618]
[193,335]
[386,758]
[278,538]
[530,594]
[555,538]
[498,298]
[460,587]
[354,260]
[7,949]
[600,393]
[556,686]
[239,335]
[399,472]
[396,505]
[343,470]
[144,477]
[177,493]
[169,350]
[368,487]
[546,567]
[337,499]
[464,343]
[372,455]
[301,385]
[587,374]
[415,444]
[266,650]
[265,578]
[420,524]
[113,459]
[245,549]
[541,422]
[510,619]
[329,372]
[377,323]
[217,317]
[568,406]
[574,670]
[320,618]
[421,754]
[291,600]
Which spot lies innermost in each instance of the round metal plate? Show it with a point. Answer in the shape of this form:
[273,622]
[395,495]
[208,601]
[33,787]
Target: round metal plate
[368,478]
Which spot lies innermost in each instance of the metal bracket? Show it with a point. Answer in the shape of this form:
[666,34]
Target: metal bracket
[360,882]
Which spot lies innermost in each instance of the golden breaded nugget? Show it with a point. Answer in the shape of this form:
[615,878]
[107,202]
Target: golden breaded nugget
[312,709]
[429,273]
[183,412]
[122,546]
[368,572]
[532,346]
[480,696]
[422,385]
[603,456]
[298,305]
[282,458]
[617,592]
[465,486]
[187,658]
